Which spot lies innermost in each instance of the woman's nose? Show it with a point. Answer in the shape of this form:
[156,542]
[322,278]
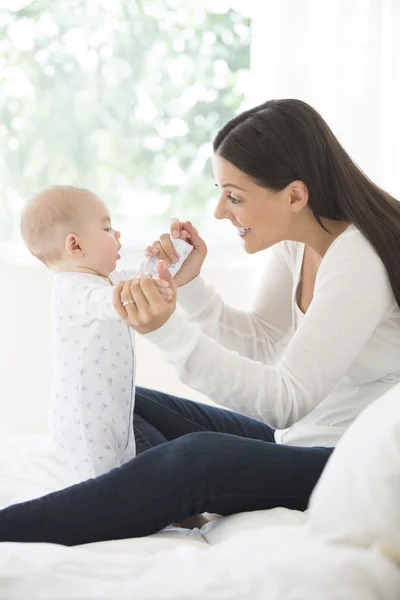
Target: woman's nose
[220,211]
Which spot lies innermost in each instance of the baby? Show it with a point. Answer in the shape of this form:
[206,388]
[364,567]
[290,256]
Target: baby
[69,230]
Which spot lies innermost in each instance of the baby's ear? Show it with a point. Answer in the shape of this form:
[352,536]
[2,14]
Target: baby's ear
[72,245]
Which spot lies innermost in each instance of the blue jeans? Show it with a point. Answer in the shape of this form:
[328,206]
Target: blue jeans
[192,458]
[160,418]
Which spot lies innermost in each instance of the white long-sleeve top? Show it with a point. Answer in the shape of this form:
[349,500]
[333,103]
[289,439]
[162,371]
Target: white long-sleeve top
[308,375]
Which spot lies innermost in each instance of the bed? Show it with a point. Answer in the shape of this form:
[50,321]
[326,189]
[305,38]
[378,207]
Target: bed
[260,555]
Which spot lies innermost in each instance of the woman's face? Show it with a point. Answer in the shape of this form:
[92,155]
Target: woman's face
[262,217]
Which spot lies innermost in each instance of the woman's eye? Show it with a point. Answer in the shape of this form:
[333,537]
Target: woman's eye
[232,199]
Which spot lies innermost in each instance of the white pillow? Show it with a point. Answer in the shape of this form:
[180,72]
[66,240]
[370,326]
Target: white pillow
[357,499]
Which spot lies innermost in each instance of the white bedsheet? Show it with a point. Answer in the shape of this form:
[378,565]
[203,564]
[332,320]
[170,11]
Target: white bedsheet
[262,555]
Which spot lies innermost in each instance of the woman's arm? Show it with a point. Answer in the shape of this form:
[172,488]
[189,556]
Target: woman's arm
[352,296]
[255,333]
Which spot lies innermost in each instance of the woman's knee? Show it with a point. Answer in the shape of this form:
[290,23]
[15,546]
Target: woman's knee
[197,449]
[188,462]
[191,442]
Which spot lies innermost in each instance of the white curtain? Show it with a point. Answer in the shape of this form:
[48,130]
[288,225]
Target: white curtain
[343,57]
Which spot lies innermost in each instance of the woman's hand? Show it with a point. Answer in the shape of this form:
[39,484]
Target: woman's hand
[146,309]
[163,249]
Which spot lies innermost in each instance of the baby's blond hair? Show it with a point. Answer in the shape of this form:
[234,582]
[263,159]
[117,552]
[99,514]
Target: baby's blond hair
[50,216]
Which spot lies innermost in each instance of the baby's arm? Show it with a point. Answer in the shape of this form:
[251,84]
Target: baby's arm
[94,301]
[183,249]
[89,300]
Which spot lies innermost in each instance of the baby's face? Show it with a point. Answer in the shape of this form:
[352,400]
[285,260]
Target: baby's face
[100,241]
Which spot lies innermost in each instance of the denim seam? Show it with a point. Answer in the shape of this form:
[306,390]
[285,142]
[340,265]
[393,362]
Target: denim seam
[178,414]
[136,429]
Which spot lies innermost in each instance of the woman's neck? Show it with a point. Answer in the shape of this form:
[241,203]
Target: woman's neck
[316,238]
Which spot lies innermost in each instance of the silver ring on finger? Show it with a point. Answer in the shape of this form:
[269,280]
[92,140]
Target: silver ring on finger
[128,302]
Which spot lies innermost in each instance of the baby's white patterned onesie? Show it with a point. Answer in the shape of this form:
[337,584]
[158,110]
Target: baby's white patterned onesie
[93,393]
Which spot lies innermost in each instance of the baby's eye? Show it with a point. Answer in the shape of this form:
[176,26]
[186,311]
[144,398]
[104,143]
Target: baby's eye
[232,199]
[108,229]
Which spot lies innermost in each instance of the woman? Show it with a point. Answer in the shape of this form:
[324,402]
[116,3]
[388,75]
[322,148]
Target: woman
[321,342]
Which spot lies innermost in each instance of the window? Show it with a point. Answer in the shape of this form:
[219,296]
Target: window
[120,96]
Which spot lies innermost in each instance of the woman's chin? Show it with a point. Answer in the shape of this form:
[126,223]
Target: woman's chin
[249,246]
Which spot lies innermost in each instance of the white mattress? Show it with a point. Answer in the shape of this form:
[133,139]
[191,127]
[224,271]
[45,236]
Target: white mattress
[261,555]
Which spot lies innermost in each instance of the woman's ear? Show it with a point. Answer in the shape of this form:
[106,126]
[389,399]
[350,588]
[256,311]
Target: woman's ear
[298,196]
[73,246]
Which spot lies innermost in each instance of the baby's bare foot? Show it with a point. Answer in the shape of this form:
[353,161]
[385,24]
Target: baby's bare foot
[198,520]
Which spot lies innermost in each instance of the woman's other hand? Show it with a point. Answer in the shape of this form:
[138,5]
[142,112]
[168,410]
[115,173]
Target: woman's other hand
[163,249]
[146,309]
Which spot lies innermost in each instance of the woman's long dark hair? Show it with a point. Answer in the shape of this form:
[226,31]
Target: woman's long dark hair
[282,141]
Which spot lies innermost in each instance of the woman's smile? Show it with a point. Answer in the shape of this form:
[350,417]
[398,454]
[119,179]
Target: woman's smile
[242,231]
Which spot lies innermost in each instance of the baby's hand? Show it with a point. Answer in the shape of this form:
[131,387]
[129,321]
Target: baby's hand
[164,249]
[164,288]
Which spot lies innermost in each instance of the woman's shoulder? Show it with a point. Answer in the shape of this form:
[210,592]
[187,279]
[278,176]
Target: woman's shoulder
[353,259]
[355,248]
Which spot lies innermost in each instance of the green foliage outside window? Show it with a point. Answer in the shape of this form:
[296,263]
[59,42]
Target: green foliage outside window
[118,96]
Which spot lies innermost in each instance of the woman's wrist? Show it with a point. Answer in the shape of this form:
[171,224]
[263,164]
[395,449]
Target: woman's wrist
[194,295]
[188,283]
[185,280]
[176,337]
